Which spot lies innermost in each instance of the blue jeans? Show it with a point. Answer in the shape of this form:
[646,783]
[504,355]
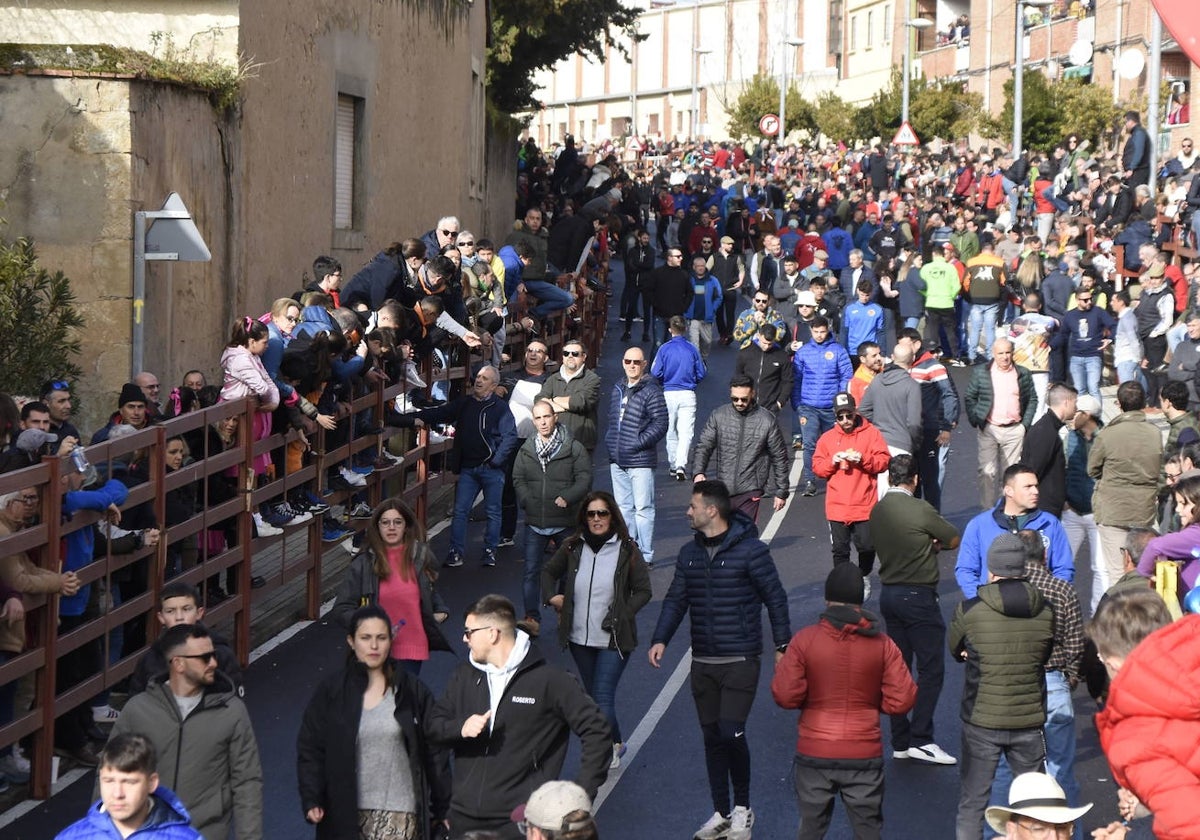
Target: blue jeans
[814,422]
[1131,372]
[1085,374]
[1060,746]
[982,317]
[470,481]
[1059,204]
[911,322]
[550,297]
[535,558]
[634,491]
[600,670]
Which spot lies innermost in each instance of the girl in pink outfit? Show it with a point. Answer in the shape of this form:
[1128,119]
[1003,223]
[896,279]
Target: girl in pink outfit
[245,376]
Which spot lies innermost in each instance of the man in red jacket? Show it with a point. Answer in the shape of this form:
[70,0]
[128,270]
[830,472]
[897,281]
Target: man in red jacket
[842,672]
[849,457]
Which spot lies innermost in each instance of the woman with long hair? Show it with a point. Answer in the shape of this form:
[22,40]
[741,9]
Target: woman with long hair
[1182,544]
[604,583]
[396,570]
[364,765]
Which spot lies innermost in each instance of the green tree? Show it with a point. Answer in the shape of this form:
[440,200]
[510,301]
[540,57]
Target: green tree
[881,116]
[1087,110]
[1041,126]
[761,96]
[1051,112]
[532,35]
[39,324]
[835,117]
[943,109]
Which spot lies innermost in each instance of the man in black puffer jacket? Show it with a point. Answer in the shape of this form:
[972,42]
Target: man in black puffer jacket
[723,578]
[741,444]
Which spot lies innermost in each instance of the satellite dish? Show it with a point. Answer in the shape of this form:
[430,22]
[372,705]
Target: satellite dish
[1080,53]
[1131,64]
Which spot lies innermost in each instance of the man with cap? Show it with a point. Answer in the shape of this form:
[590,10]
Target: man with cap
[1037,807]
[556,808]
[729,268]
[800,324]
[908,570]
[849,457]
[131,410]
[1004,634]
[841,673]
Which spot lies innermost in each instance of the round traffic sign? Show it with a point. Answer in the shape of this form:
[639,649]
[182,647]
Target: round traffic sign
[769,125]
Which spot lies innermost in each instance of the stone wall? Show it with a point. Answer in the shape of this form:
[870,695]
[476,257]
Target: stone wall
[65,182]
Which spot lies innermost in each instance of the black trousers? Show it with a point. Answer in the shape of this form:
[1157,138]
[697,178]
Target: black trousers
[935,318]
[858,783]
[929,469]
[727,313]
[840,536]
[723,695]
[913,618]
[1155,350]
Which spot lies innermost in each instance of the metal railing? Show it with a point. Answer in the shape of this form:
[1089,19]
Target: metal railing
[142,572]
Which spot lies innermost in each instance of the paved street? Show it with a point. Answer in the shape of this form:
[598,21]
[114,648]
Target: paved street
[661,791]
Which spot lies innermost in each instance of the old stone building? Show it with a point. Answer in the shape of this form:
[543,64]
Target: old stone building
[355,123]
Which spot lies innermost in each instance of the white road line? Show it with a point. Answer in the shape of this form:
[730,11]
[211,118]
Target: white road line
[666,696]
[646,726]
[21,809]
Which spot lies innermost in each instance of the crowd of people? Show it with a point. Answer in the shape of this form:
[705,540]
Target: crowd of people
[853,283]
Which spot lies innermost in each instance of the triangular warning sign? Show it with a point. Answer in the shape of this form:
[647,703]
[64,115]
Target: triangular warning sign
[906,136]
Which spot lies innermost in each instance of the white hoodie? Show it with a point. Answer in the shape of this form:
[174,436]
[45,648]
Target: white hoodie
[498,677]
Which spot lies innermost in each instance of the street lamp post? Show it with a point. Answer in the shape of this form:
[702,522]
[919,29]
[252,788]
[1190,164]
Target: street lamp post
[1019,73]
[697,51]
[909,24]
[783,52]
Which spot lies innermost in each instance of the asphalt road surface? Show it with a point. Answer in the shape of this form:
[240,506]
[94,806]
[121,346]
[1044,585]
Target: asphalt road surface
[661,790]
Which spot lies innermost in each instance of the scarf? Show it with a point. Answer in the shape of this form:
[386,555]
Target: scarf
[596,541]
[545,449]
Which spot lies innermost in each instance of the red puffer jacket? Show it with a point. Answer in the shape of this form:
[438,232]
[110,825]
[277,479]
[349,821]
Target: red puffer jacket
[842,672]
[1150,730]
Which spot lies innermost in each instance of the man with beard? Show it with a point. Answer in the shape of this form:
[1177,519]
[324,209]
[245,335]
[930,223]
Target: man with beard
[751,456]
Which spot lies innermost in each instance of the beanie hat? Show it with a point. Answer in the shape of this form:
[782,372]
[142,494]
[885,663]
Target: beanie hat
[131,393]
[844,584]
[1006,556]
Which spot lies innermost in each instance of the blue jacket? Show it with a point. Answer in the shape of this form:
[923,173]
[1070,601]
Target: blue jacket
[272,358]
[838,244]
[678,365]
[861,322]
[637,421]
[706,300]
[862,240]
[513,270]
[485,433]
[725,594]
[168,820]
[80,546]
[818,372]
[970,570]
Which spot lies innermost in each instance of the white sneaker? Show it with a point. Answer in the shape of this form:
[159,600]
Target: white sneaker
[14,768]
[105,714]
[866,589]
[263,529]
[352,477]
[740,823]
[900,754]
[931,753]
[716,828]
[618,751]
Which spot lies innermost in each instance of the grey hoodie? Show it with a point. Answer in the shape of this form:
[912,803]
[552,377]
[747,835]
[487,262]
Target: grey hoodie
[893,403]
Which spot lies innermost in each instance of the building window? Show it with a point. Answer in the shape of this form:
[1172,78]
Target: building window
[853,33]
[653,127]
[887,24]
[835,27]
[347,163]
[870,29]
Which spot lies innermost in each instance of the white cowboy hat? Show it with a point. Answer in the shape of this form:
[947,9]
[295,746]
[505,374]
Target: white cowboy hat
[1037,796]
